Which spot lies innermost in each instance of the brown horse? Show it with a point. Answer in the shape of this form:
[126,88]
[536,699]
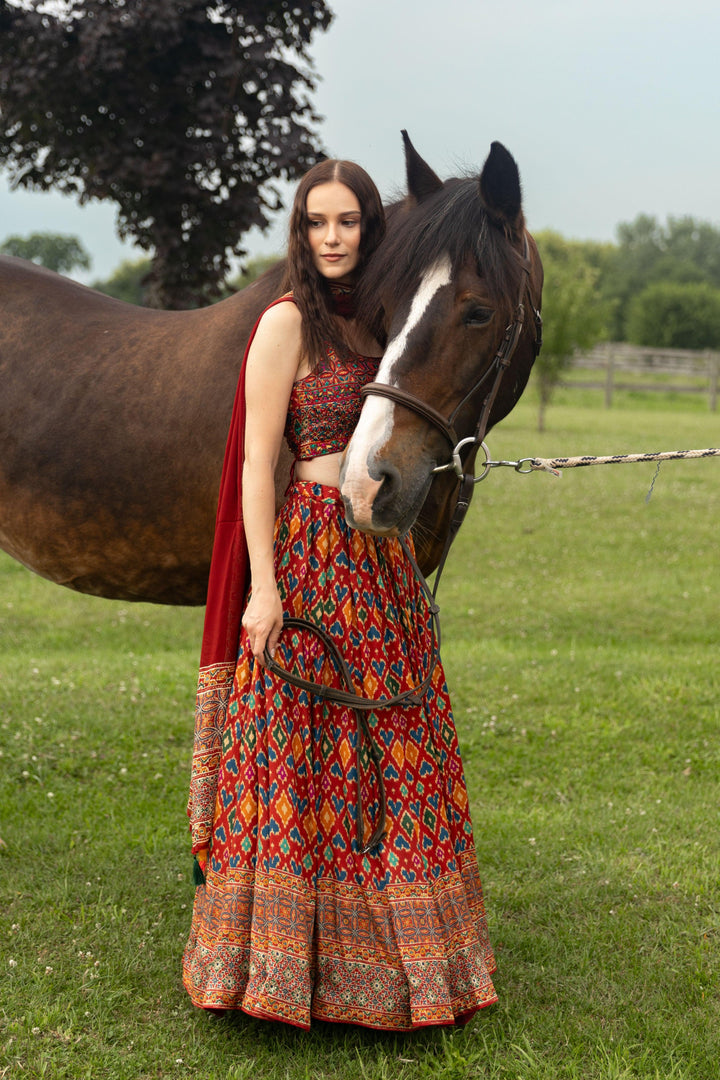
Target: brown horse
[113,418]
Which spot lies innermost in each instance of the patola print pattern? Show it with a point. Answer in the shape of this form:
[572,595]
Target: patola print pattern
[294,922]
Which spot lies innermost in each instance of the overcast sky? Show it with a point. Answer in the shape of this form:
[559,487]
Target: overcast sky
[610,109]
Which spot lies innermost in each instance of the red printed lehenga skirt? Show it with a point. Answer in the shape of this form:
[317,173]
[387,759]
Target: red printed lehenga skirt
[294,921]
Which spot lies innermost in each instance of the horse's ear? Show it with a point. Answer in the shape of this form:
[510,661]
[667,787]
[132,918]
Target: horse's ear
[421,180]
[500,187]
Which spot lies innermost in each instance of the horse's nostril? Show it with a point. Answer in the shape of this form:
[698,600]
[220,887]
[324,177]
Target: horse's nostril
[390,482]
[390,486]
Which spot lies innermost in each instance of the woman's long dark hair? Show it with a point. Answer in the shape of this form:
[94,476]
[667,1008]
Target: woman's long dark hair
[311,290]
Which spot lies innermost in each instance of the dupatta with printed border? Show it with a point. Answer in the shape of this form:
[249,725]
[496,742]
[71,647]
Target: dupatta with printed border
[227,591]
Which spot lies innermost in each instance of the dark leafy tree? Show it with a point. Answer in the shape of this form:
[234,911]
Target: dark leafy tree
[183,112]
[676,315]
[56,251]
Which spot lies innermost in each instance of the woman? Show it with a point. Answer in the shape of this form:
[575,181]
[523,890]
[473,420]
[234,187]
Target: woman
[303,911]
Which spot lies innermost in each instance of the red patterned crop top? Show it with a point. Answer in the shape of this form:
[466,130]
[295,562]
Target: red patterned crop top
[325,406]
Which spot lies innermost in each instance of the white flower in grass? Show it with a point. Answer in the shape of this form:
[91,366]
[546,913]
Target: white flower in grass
[12,963]
[532,840]
[48,970]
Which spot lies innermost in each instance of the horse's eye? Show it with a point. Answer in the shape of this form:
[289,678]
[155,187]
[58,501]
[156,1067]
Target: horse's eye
[477,316]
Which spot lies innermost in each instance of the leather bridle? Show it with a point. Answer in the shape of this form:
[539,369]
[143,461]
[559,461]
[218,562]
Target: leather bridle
[498,367]
[500,363]
[465,473]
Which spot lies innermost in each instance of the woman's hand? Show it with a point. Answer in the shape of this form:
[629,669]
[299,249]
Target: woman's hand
[263,620]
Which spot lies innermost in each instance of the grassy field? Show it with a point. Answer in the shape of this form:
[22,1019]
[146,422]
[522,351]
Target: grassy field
[581,635]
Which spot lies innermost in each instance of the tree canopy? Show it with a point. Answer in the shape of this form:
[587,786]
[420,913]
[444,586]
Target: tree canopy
[128,281]
[182,112]
[683,251]
[56,251]
[676,315]
[573,317]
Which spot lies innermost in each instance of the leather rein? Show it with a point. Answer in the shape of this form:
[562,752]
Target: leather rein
[467,481]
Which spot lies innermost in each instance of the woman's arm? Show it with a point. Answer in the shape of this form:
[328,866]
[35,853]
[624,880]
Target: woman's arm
[272,366]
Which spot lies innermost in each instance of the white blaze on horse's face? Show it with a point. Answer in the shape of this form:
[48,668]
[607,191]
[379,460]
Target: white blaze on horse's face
[358,486]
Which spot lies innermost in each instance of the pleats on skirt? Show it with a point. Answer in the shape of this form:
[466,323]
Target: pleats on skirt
[295,921]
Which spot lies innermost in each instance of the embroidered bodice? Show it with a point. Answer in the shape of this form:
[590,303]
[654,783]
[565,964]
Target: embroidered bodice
[325,406]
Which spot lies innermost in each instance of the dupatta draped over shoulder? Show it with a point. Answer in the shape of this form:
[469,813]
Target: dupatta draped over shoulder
[227,591]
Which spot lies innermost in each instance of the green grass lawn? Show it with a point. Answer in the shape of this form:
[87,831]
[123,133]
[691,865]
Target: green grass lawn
[581,630]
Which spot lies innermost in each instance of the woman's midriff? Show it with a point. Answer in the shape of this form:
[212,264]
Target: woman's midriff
[320,470]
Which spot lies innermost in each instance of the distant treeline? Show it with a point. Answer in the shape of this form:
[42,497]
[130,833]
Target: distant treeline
[658,285]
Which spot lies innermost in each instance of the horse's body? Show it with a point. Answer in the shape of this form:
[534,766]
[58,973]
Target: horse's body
[113,422]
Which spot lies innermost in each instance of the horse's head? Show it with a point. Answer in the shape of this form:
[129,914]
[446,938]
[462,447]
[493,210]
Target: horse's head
[451,276]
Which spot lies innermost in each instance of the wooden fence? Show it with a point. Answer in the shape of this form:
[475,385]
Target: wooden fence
[700,371]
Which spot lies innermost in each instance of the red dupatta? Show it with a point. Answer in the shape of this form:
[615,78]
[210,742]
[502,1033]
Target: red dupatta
[227,590]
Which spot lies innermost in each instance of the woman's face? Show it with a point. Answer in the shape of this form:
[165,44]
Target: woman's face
[334,234]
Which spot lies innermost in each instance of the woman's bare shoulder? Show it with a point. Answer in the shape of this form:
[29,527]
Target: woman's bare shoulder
[281,320]
[277,344]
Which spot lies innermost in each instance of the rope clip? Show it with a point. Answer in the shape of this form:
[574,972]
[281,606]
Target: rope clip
[524,466]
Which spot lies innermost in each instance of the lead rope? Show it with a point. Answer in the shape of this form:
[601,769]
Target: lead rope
[553,465]
[556,465]
[361,704]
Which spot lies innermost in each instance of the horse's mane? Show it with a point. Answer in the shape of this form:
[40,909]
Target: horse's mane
[452,222]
